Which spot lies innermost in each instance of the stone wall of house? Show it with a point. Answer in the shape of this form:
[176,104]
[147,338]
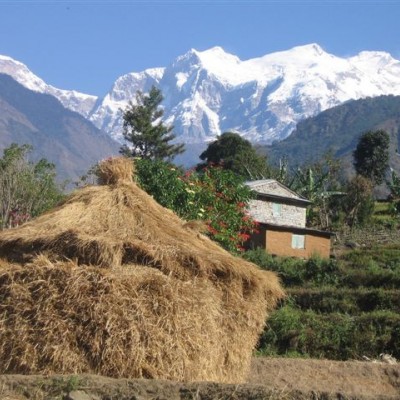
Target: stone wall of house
[265,211]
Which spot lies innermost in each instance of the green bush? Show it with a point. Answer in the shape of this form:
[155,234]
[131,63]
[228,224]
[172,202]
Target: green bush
[371,279]
[333,336]
[336,309]
[385,257]
[315,271]
[290,330]
[214,195]
[347,301]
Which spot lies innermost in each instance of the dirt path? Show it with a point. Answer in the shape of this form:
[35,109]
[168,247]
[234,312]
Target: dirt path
[269,379]
[352,378]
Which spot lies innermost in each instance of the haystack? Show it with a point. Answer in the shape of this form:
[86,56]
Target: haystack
[110,282]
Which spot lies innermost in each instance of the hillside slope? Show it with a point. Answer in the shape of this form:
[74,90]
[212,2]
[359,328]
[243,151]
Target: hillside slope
[71,99]
[338,129]
[62,136]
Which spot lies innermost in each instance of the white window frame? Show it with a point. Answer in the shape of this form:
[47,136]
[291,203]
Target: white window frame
[277,209]
[298,241]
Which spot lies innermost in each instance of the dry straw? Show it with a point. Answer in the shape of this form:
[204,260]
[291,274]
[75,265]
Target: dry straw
[166,302]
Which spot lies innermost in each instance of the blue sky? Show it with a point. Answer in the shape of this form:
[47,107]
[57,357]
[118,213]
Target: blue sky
[85,45]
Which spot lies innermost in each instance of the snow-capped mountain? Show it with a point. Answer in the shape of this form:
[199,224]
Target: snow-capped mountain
[107,113]
[212,91]
[71,99]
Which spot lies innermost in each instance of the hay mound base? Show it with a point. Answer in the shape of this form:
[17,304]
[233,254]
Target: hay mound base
[136,322]
[112,283]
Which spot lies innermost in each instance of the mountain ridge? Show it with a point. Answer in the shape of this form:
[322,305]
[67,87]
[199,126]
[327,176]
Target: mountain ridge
[71,99]
[212,91]
[337,131]
[209,92]
[62,136]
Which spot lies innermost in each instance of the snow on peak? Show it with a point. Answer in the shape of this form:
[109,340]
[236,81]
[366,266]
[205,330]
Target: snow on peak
[214,56]
[75,101]
[155,73]
[152,73]
[312,48]
[368,55]
[377,59]
[299,56]
[212,91]
[21,74]
[7,58]
[230,70]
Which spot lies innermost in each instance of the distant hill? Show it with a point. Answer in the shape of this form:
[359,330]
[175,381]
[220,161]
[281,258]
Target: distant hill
[338,129]
[62,136]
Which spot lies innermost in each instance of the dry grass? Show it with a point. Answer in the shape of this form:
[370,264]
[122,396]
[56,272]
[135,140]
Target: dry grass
[137,323]
[114,170]
[166,303]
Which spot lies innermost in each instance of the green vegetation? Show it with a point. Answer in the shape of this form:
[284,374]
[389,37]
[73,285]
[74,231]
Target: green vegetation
[144,129]
[337,336]
[342,308]
[233,152]
[337,130]
[27,189]
[337,309]
[371,156]
[214,195]
[318,183]
[358,204]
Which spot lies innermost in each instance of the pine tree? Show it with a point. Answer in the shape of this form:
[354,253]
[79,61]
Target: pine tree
[145,131]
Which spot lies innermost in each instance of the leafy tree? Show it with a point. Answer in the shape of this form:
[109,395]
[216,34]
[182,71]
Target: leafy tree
[215,196]
[26,189]
[318,183]
[394,197]
[144,129]
[371,157]
[233,152]
[358,204]
[394,185]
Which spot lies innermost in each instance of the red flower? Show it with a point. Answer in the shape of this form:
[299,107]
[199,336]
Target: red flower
[212,230]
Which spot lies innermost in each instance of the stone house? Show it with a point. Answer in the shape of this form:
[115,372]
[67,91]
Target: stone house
[281,214]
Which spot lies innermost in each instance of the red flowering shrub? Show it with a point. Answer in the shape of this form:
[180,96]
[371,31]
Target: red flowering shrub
[214,195]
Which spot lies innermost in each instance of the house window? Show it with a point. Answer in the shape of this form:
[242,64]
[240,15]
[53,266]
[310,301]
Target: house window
[298,241]
[276,209]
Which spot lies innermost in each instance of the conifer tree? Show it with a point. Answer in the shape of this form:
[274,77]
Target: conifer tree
[144,130]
